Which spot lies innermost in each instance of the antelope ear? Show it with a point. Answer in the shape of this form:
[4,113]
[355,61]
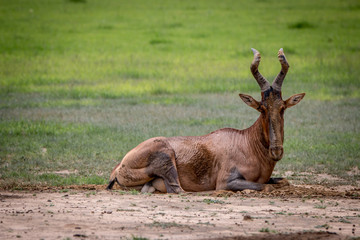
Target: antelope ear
[249,100]
[294,99]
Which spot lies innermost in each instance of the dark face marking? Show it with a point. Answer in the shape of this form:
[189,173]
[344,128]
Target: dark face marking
[272,109]
[270,91]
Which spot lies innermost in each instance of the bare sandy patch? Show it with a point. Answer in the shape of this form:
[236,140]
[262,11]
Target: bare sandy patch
[292,212]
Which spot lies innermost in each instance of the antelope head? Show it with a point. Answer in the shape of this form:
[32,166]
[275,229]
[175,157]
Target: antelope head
[271,106]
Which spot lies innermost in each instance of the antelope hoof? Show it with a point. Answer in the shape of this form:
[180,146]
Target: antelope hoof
[268,188]
[148,188]
[283,183]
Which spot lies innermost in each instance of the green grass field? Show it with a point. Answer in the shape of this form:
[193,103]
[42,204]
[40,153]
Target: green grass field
[82,81]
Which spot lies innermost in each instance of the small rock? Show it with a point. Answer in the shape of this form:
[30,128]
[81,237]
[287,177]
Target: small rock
[80,235]
[247,218]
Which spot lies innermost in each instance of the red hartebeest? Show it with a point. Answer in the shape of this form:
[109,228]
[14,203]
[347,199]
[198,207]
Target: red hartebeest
[226,159]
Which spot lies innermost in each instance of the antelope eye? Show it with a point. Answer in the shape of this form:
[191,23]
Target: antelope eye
[282,110]
[262,108]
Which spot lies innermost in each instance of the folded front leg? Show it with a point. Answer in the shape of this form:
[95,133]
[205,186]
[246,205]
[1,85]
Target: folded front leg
[239,185]
[237,182]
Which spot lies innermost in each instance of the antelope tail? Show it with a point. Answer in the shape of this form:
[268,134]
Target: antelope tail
[111,184]
[113,179]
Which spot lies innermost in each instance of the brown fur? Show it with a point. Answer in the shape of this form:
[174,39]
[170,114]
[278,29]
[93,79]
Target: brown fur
[227,159]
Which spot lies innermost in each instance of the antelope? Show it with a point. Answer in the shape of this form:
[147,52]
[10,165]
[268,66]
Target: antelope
[226,159]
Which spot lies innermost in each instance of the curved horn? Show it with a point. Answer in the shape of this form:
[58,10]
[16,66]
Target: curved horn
[263,83]
[284,69]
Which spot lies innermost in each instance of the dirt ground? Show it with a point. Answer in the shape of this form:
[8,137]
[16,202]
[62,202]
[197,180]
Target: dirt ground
[89,212]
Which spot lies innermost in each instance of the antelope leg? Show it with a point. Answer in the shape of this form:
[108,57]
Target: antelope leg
[239,185]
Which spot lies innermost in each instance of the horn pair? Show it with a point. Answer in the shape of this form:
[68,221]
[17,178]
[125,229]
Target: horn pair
[263,83]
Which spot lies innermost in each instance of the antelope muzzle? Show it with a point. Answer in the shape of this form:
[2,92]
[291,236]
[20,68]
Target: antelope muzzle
[276,153]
